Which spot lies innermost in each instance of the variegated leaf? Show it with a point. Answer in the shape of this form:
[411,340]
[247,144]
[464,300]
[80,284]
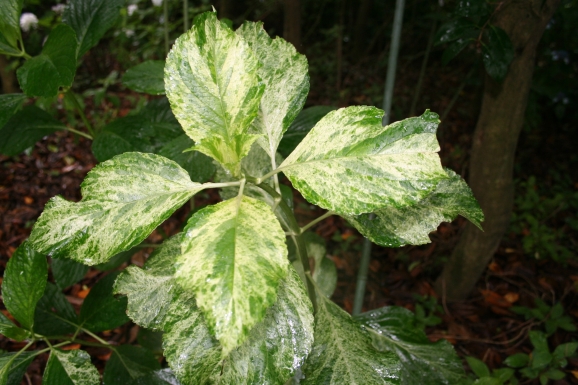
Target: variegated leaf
[399,226]
[234,256]
[352,165]
[124,200]
[72,367]
[155,300]
[343,353]
[212,83]
[284,72]
[422,361]
[151,290]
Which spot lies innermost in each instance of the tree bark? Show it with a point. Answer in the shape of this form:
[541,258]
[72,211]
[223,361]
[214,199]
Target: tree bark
[494,145]
[292,23]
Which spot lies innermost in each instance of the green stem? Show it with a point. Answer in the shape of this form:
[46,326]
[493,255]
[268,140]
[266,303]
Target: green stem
[72,97]
[316,221]
[79,133]
[166,23]
[225,184]
[77,341]
[95,337]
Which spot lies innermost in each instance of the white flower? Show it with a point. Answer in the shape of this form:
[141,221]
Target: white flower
[131,9]
[28,20]
[58,8]
[157,3]
[129,32]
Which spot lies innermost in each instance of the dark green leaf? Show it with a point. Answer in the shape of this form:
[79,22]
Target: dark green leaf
[199,166]
[117,260]
[497,52]
[343,353]
[397,226]
[128,134]
[8,329]
[518,360]
[147,77]
[565,350]
[9,104]
[6,48]
[55,67]
[471,8]
[25,128]
[454,49]
[453,30]
[70,368]
[151,340]
[555,374]
[423,362]
[128,363]
[90,19]
[54,315]
[101,310]
[302,124]
[24,282]
[66,272]
[12,368]
[478,367]
[110,219]
[10,22]
[488,381]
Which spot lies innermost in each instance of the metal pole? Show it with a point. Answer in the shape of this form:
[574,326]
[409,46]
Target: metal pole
[387,99]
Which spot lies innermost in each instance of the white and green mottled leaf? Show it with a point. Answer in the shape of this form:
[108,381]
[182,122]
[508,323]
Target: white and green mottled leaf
[422,362]
[350,164]
[228,152]
[301,126]
[343,352]
[271,352]
[212,83]
[70,367]
[399,226]
[150,291]
[284,72]
[234,256]
[124,200]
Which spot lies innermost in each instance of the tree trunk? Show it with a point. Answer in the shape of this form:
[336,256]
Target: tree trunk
[494,145]
[292,23]
[8,77]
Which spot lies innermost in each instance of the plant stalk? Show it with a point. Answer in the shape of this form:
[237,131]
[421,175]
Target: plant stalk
[72,97]
[316,221]
[387,101]
[186,15]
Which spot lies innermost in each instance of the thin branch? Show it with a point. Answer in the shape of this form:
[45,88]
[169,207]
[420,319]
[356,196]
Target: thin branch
[316,221]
